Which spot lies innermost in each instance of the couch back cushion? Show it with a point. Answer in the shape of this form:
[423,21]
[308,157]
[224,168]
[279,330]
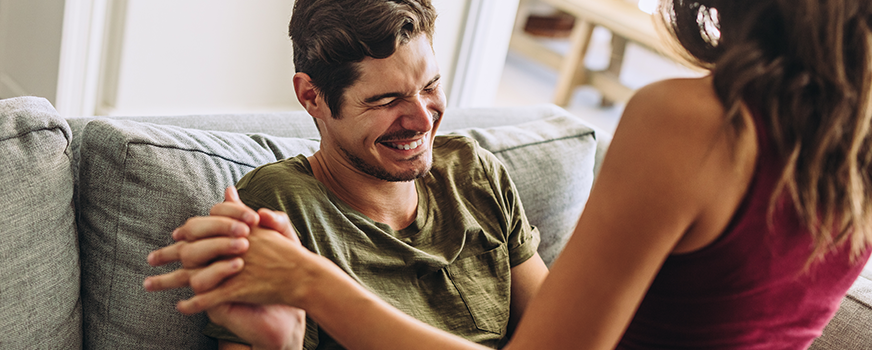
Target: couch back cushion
[138,181]
[39,258]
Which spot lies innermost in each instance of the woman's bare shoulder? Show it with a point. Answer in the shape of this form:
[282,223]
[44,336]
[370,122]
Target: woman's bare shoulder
[686,110]
[680,100]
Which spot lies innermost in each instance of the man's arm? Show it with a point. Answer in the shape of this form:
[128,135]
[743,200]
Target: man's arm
[526,279]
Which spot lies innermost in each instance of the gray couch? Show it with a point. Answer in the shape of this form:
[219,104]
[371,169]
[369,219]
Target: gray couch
[86,199]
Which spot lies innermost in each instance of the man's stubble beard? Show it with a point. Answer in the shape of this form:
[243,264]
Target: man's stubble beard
[381,173]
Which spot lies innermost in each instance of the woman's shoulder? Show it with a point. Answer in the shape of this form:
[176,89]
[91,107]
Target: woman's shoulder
[685,109]
[679,99]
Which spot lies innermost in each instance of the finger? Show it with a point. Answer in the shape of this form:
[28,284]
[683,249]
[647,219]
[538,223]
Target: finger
[200,227]
[203,252]
[164,255]
[176,279]
[211,276]
[202,302]
[235,210]
[231,195]
[278,221]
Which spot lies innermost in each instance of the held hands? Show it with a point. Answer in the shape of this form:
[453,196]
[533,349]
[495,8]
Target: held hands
[212,249]
[209,247]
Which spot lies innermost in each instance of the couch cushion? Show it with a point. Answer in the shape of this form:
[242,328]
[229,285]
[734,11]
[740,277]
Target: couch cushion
[850,327]
[138,182]
[552,164]
[39,258]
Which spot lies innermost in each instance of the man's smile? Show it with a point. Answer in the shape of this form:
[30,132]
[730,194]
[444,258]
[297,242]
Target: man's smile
[407,145]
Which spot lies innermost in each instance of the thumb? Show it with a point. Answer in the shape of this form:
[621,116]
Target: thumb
[231,195]
[279,221]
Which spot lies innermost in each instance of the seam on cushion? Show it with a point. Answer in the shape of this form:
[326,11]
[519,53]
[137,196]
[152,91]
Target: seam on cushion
[115,234]
[32,131]
[191,150]
[861,302]
[542,142]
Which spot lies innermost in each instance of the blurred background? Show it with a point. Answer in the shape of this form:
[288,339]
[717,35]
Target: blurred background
[172,57]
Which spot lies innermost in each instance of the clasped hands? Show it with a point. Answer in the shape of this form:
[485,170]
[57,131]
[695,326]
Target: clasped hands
[239,263]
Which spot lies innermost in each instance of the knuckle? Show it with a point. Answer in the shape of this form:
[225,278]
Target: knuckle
[197,286]
[283,217]
[183,250]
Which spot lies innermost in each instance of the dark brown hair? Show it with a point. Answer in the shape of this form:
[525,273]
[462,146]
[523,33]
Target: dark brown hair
[331,36]
[804,66]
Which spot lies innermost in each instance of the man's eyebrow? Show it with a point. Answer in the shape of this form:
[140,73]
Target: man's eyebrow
[434,80]
[376,98]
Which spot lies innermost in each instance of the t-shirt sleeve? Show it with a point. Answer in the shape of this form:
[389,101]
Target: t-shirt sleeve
[522,237]
[252,193]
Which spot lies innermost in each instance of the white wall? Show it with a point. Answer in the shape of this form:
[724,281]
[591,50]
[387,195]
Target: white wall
[450,23]
[30,39]
[202,56]
[482,52]
[220,56]
[166,57]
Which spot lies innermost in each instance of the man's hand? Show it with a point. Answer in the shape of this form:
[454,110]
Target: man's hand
[264,326]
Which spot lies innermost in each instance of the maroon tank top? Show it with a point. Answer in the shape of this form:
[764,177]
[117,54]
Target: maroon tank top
[748,289]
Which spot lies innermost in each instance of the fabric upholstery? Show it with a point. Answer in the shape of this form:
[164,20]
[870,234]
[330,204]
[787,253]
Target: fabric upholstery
[851,328]
[39,278]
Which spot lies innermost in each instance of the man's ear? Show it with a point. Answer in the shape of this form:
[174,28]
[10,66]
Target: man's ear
[309,97]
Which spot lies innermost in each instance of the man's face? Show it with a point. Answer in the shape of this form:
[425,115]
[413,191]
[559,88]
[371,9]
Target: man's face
[389,116]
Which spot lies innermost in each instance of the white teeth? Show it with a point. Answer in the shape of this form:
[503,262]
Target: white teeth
[408,146]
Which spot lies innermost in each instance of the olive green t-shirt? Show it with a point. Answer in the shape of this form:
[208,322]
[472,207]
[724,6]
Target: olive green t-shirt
[450,268]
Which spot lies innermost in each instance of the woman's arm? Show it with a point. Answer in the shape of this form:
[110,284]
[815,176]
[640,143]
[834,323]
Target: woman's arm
[672,179]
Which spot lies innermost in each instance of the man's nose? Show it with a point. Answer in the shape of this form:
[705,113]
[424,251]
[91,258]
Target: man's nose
[417,116]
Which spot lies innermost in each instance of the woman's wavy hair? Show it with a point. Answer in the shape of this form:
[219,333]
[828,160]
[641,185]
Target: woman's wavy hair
[805,66]
[331,36]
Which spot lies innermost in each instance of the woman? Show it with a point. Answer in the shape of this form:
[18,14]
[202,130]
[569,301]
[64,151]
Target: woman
[732,211]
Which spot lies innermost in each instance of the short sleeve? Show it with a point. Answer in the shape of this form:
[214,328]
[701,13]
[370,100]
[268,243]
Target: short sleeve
[522,238]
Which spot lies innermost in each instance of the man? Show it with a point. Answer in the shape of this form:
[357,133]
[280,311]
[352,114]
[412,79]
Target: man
[433,225]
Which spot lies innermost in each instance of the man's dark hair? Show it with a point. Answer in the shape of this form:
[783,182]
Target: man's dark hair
[331,36]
